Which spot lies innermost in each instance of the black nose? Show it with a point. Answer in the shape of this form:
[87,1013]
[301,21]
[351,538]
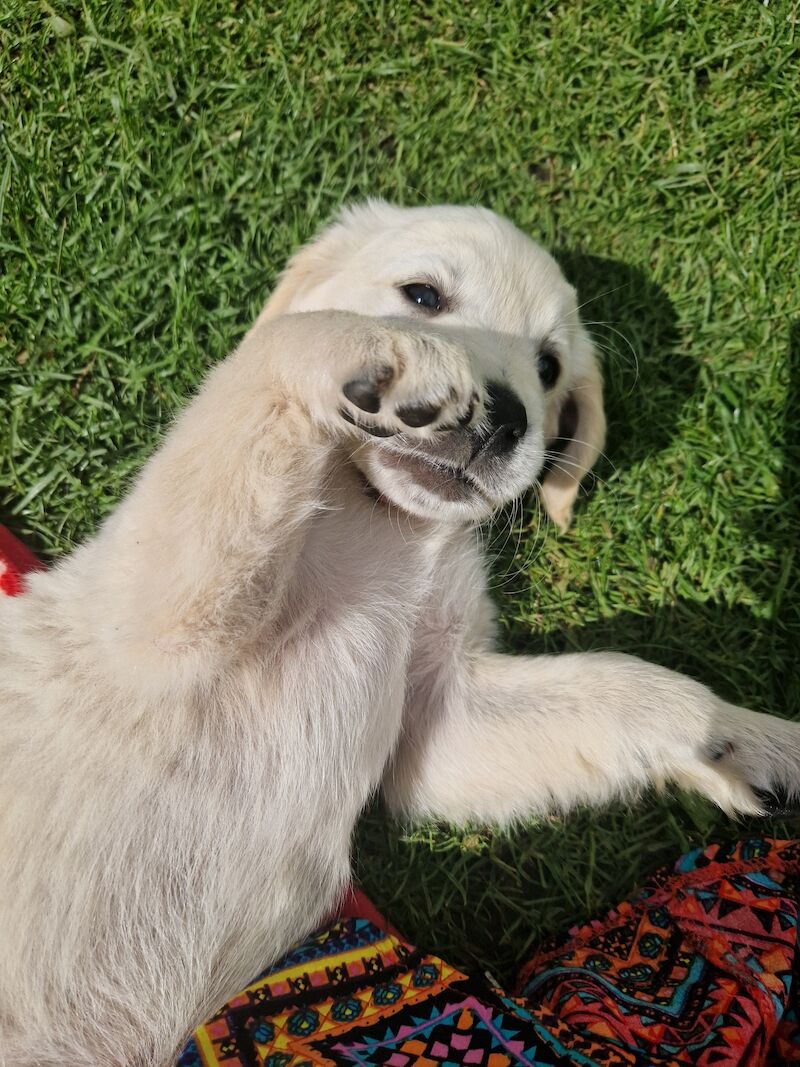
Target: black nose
[507,419]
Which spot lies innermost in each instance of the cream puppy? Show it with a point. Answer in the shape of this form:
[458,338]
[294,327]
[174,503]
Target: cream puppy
[289,611]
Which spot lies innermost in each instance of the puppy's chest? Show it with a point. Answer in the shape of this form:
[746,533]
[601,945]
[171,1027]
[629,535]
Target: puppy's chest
[364,571]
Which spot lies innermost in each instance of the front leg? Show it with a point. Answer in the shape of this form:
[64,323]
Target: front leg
[194,566]
[495,737]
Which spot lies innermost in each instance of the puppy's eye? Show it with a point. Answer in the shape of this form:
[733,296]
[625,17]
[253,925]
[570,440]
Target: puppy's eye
[548,366]
[423,295]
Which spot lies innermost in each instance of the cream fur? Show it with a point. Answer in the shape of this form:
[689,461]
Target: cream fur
[196,704]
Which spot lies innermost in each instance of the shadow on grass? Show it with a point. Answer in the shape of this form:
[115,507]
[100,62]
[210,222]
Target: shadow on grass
[745,657]
[647,377]
[486,901]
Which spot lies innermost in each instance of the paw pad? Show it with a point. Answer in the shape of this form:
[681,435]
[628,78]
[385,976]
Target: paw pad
[366,391]
[418,414]
[719,750]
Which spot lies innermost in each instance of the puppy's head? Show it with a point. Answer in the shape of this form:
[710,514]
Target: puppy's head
[468,270]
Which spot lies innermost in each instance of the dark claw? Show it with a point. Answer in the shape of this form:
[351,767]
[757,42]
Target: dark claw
[418,414]
[376,431]
[466,418]
[777,802]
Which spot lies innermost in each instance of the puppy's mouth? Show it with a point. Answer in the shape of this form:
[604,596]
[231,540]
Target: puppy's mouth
[447,477]
[449,483]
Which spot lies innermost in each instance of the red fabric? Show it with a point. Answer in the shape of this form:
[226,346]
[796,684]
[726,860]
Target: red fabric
[15,561]
[357,905]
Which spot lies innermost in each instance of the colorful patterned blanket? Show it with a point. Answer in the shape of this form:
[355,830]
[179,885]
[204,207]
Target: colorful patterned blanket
[701,967]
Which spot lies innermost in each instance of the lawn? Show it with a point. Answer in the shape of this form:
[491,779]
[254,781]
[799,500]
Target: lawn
[160,160]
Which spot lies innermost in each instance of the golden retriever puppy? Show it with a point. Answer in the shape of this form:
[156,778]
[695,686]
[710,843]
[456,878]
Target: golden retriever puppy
[288,612]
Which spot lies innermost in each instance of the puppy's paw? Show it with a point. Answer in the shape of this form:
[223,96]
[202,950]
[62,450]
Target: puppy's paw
[752,764]
[410,382]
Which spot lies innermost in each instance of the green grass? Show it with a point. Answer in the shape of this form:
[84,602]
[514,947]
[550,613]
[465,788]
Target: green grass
[160,160]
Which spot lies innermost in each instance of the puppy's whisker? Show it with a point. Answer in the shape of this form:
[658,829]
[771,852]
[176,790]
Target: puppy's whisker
[507,527]
[618,333]
[606,292]
[582,488]
[589,444]
[563,462]
[516,568]
[514,523]
[513,566]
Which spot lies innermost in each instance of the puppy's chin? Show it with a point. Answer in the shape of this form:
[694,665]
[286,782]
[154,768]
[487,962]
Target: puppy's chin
[434,490]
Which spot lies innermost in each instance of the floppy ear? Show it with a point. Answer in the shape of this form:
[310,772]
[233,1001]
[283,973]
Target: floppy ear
[325,255]
[578,441]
